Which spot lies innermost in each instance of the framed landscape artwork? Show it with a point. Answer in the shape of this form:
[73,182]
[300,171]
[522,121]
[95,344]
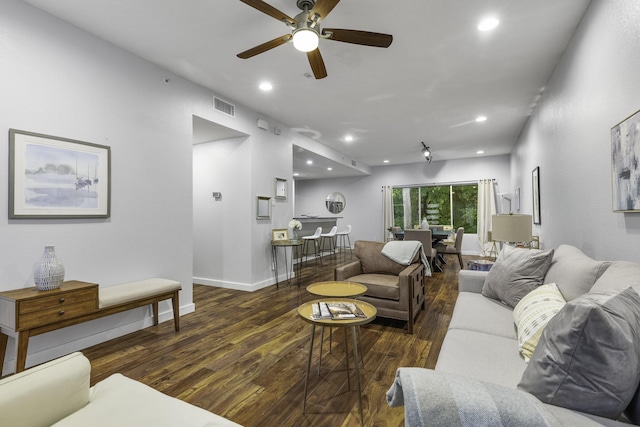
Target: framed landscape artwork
[625,165]
[52,177]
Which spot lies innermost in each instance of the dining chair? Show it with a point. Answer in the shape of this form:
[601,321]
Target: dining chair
[395,231]
[455,249]
[424,236]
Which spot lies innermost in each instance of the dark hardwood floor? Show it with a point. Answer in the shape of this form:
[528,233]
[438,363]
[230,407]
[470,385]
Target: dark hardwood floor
[243,355]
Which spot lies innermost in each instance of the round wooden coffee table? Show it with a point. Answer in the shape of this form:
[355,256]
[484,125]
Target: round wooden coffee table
[337,289]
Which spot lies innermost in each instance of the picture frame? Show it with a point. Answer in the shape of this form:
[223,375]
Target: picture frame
[280,189]
[51,177]
[279,234]
[535,242]
[535,183]
[263,207]
[625,170]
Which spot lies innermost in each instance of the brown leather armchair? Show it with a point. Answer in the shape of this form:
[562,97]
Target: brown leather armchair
[396,290]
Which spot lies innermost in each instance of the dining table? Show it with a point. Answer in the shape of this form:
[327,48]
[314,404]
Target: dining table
[437,236]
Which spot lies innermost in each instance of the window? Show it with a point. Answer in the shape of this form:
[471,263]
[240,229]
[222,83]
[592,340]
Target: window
[455,205]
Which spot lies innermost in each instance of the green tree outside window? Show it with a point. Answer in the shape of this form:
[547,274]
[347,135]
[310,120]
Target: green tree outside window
[455,205]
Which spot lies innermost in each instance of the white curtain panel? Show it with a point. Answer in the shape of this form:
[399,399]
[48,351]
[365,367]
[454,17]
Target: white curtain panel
[406,204]
[486,208]
[387,212]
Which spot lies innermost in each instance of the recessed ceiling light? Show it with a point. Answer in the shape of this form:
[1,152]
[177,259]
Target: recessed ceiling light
[265,86]
[480,152]
[296,174]
[488,24]
[385,161]
[481,119]
[309,162]
[348,138]
[329,169]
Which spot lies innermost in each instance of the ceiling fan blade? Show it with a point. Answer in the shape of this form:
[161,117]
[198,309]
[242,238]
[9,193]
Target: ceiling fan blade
[264,47]
[317,64]
[365,38]
[323,7]
[269,10]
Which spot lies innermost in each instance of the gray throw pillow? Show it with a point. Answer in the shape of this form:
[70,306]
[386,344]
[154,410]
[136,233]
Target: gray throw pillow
[433,398]
[588,358]
[573,272]
[515,273]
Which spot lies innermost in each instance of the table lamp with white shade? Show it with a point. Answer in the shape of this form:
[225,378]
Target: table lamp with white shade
[511,228]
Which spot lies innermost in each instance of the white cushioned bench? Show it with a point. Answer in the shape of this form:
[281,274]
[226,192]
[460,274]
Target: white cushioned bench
[114,299]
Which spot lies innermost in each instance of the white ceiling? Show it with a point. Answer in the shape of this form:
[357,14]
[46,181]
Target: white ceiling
[437,76]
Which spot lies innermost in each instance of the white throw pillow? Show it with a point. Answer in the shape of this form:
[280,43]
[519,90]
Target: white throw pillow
[532,314]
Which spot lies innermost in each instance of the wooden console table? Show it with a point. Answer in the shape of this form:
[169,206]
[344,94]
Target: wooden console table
[29,312]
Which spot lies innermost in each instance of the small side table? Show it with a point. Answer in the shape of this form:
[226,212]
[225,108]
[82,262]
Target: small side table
[305,311]
[28,312]
[335,289]
[295,245]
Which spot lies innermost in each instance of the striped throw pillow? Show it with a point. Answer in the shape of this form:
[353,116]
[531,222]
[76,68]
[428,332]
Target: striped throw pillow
[532,314]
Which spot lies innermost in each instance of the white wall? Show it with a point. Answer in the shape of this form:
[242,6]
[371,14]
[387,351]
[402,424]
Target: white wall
[594,87]
[364,194]
[220,223]
[232,247]
[58,80]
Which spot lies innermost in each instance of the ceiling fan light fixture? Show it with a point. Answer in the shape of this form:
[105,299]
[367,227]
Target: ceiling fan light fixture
[305,40]
[488,24]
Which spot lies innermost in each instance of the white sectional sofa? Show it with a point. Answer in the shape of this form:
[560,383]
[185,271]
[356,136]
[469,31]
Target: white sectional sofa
[57,393]
[479,368]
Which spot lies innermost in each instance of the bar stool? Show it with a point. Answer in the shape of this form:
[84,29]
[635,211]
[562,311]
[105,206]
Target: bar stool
[341,236]
[330,235]
[316,247]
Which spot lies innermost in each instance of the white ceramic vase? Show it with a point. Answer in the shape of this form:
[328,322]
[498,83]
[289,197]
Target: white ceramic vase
[425,224]
[49,271]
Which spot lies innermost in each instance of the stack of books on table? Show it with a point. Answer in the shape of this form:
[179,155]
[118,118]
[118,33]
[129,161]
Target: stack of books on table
[336,310]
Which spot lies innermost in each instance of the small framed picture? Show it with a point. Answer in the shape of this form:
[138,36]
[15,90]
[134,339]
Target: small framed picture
[535,242]
[278,234]
[263,205]
[535,180]
[281,189]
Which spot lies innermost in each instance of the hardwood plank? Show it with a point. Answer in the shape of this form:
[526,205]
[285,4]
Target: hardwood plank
[243,355]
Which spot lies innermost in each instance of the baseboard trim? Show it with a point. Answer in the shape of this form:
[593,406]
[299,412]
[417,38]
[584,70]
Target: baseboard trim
[240,286]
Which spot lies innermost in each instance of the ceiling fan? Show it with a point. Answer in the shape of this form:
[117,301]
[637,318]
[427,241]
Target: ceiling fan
[306,32]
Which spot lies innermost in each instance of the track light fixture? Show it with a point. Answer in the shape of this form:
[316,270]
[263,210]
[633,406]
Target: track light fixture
[426,152]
